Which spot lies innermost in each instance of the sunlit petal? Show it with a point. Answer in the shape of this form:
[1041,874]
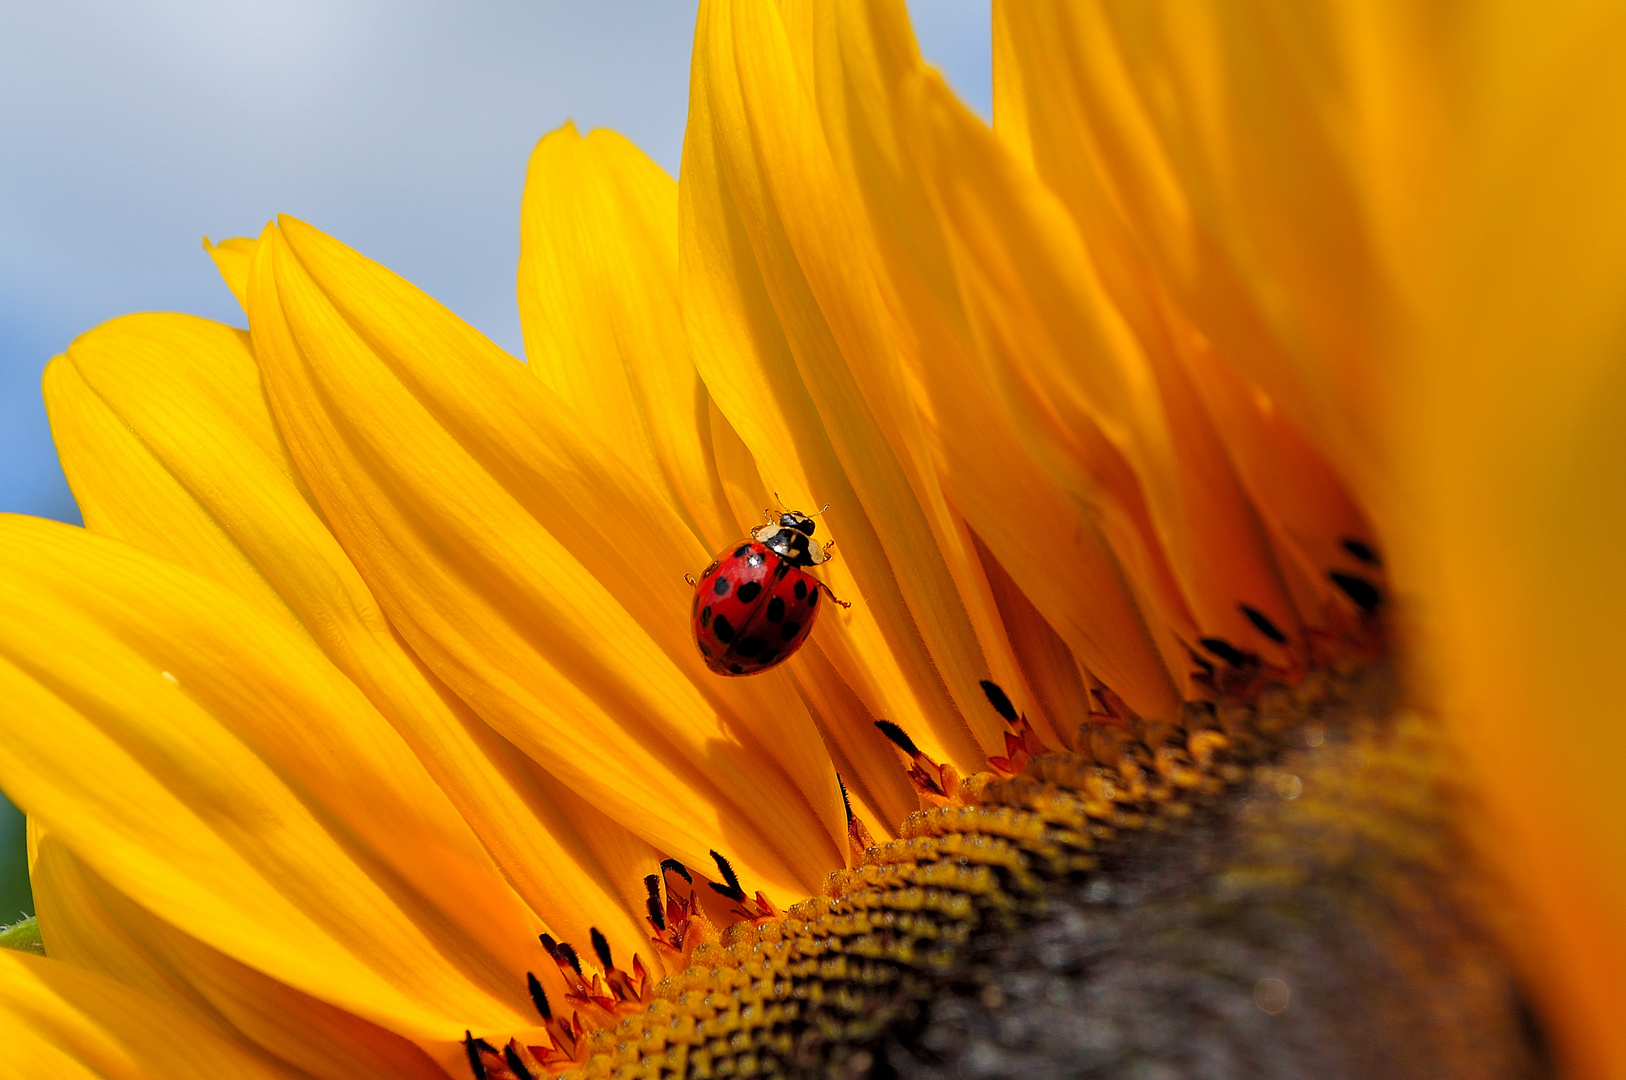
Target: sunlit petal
[1507,437]
[598,301]
[166,438]
[531,566]
[213,766]
[59,1021]
[93,926]
[1404,225]
[863,59]
[233,258]
[799,352]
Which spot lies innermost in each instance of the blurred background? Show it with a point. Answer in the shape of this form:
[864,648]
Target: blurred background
[130,130]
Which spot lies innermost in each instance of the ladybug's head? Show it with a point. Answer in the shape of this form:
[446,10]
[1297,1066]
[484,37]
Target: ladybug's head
[791,538]
[795,519]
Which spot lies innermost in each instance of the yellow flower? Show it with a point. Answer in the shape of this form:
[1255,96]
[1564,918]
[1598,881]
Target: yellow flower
[370,681]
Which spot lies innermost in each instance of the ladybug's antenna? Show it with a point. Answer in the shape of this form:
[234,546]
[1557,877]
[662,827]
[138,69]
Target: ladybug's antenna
[778,500]
[822,509]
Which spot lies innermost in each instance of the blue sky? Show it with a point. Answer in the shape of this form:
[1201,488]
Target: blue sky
[129,130]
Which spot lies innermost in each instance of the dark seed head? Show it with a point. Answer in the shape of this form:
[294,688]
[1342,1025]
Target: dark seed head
[731,883]
[601,948]
[1224,650]
[472,1047]
[899,737]
[1362,551]
[1367,596]
[998,699]
[1263,624]
[657,915]
[539,997]
[515,1065]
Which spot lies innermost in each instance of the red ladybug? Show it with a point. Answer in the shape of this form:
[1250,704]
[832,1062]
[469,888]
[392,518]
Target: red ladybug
[755,604]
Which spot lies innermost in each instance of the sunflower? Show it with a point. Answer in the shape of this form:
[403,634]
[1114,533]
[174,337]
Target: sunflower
[1252,357]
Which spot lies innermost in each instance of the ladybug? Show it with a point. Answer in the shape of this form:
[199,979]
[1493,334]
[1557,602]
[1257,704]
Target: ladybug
[755,604]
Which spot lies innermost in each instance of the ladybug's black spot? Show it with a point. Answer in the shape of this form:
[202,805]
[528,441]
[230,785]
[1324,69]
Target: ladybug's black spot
[705,615]
[748,592]
[723,629]
[1263,624]
[813,599]
[735,669]
[741,550]
[1361,551]
[1367,596]
[1224,650]
[721,586]
[769,658]
[776,608]
[751,646]
[801,590]
[790,630]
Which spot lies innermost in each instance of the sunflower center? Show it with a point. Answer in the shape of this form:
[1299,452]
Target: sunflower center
[1262,889]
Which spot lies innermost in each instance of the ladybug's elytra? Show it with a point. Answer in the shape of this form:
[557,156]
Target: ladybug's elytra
[755,604]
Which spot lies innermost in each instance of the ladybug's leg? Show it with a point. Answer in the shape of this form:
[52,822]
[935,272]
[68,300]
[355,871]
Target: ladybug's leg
[690,579]
[833,597]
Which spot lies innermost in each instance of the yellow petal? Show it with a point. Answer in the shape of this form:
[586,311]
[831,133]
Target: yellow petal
[216,768]
[1506,436]
[1406,229]
[863,55]
[792,336]
[1226,142]
[868,764]
[59,1021]
[598,290]
[94,927]
[531,566]
[233,258]
[166,438]
[598,302]
[1095,425]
